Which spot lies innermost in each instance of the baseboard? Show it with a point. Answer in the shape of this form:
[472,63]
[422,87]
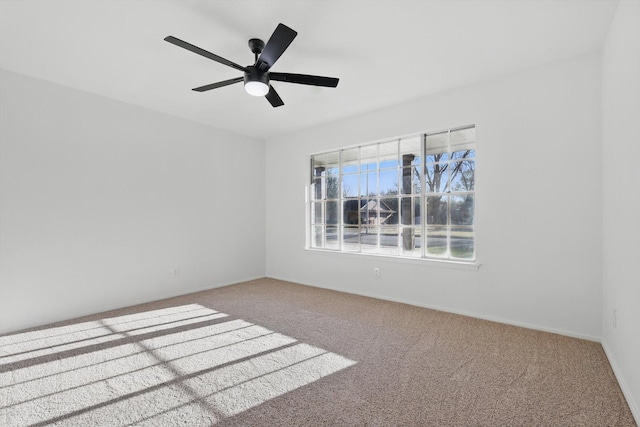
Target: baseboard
[129,304]
[633,406]
[194,290]
[453,311]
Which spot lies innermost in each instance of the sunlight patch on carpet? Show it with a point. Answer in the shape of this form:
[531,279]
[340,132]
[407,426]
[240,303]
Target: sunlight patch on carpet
[188,364]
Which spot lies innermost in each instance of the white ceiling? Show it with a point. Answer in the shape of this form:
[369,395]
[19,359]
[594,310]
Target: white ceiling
[384,52]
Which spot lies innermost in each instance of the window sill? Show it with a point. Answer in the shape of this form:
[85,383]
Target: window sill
[449,264]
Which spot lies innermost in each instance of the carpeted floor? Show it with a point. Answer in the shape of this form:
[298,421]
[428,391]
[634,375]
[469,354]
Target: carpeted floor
[272,353]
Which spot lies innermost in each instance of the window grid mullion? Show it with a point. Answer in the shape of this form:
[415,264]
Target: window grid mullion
[377,198]
[359,199]
[423,197]
[398,198]
[448,198]
[339,198]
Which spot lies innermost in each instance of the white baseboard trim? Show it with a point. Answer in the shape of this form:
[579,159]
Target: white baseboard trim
[453,311]
[130,304]
[633,406]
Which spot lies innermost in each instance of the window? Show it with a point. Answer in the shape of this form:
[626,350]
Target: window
[412,197]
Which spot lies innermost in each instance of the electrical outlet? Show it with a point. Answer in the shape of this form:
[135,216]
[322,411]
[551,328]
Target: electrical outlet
[615,318]
[175,272]
[376,272]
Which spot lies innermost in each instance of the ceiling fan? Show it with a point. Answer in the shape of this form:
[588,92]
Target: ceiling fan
[257,77]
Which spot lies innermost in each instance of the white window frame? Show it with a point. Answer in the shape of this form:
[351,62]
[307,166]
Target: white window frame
[313,226]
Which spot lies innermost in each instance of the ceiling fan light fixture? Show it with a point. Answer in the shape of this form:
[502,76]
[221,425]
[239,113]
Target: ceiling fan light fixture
[255,82]
[256,88]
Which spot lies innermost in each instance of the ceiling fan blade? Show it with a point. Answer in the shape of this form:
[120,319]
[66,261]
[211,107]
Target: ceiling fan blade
[305,79]
[195,49]
[273,97]
[277,44]
[219,84]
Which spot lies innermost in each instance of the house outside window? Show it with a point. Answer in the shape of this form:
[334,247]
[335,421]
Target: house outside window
[411,197]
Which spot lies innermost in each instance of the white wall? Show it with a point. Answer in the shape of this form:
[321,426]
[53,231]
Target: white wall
[100,200]
[538,201]
[621,207]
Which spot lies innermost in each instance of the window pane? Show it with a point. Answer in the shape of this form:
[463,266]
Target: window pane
[350,185]
[369,212]
[350,211]
[410,180]
[439,157]
[417,211]
[350,160]
[332,169]
[462,210]
[436,241]
[389,164]
[369,157]
[464,154]
[410,245]
[437,178]
[437,210]
[406,211]
[369,184]
[410,211]
[411,146]
[331,238]
[331,212]
[438,143]
[369,239]
[463,176]
[388,210]
[317,236]
[463,139]
[350,239]
[389,155]
[462,242]
[316,213]
[331,181]
[351,168]
[389,182]
[333,163]
[389,240]
[319,164]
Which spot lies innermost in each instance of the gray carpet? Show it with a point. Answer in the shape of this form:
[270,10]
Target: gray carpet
[271,353]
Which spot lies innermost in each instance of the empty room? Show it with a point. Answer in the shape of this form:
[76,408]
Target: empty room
[319,213]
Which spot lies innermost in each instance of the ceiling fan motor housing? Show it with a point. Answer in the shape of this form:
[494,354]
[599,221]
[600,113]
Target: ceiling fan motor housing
[251,74]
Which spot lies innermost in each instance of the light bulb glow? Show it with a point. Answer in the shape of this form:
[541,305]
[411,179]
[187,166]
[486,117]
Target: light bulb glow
[256,88]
